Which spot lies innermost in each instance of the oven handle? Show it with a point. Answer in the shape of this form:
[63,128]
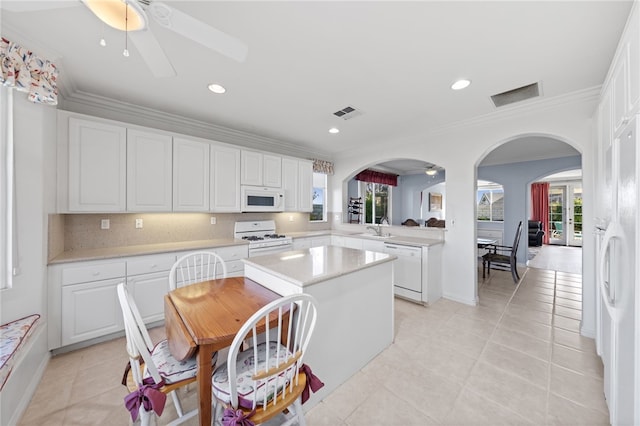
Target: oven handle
[268,250]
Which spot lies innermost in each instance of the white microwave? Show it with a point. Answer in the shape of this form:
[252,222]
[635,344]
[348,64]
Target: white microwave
[262,199]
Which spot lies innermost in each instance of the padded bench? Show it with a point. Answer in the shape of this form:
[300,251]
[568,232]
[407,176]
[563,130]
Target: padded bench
[14,336]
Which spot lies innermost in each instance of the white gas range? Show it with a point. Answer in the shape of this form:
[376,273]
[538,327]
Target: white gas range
[262,237]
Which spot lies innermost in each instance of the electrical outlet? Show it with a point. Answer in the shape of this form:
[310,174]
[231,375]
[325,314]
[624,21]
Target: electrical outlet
[290,218]
[213,220]
[105,224]
[337,217]
[139,224]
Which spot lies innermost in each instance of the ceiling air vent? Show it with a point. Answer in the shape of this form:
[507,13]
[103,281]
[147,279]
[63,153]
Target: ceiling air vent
[348,113]
[516,95]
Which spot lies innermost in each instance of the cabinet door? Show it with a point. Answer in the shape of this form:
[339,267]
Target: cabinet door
[321,241]
[620,85]
[190,175]
[97,166]
[290,184]
[251,168]
[305,192]
[272,170]
[149,181]
[148,291]
[90,310]
[225,179]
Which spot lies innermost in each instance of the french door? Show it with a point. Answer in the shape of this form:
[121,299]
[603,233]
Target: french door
[565,214]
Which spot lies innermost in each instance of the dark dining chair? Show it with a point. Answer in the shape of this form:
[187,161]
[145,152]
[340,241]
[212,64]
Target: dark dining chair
[503,257]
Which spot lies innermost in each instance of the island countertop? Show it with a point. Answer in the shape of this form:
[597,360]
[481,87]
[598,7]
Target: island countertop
[317,264]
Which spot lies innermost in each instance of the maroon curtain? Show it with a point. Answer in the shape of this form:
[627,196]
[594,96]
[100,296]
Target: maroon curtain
[377,177]
[540,206]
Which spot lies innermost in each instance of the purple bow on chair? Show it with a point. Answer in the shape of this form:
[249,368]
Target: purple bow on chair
[148,396]
[233,417]
[313,382]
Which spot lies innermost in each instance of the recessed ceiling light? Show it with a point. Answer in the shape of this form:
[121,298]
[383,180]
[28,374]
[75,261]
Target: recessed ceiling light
[216,88]
[334,130]
[460,84]
[431,171]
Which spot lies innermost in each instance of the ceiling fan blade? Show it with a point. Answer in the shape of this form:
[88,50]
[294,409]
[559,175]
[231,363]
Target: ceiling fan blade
[198,31]
[152,53]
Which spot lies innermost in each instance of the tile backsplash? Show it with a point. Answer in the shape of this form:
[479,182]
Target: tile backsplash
[83,231]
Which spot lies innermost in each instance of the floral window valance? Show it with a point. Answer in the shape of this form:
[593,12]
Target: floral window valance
[321,166]
[377,177]
[26,72]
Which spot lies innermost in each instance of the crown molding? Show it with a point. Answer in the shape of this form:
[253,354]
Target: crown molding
[527,107]
[88,103]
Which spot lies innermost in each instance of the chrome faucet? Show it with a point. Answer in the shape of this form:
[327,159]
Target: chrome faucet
[376,229]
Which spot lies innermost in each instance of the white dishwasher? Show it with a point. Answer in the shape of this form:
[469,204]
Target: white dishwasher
[407,270]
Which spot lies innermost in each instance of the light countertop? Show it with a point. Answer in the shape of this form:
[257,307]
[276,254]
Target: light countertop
[317,264]
[124,251]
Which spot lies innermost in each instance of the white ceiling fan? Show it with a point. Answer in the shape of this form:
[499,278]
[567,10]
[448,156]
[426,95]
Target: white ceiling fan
[134,13]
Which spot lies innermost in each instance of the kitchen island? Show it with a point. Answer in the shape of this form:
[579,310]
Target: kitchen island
[354,290]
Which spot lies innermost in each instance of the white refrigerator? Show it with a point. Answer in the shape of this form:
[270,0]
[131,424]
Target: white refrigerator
[618,328]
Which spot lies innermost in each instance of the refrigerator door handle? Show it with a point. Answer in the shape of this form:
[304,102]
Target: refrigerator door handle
[608,291]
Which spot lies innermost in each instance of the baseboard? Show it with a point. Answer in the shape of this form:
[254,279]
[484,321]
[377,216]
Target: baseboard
[588,332]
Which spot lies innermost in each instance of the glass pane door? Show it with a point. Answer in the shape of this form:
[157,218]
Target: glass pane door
[574,226]
[557,215]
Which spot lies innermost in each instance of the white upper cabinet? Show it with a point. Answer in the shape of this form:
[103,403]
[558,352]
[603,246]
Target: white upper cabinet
[297,183]
[251,168]
[305,193]
[290,184]
[625,79]
[97,166]
[149,172]
[272,171]
[190,175]
[225,179]
[261,169]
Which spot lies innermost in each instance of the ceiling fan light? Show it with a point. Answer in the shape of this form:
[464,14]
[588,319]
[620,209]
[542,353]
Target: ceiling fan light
[334,130]
[112,13]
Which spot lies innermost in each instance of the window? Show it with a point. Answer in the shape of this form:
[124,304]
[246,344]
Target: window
[490,202]
[6,188]
[319,212]
[377,202]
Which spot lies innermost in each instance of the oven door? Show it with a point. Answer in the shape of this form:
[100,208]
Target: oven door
[261,251]
[262,199]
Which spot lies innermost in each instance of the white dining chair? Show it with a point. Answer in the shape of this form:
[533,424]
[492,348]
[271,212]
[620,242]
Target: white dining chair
[268,378]
[152,366]
[196,267]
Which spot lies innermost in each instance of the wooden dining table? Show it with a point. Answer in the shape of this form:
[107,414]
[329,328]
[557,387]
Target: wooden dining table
[204,317]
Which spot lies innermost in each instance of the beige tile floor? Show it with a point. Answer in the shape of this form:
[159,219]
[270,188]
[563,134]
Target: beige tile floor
[516,358]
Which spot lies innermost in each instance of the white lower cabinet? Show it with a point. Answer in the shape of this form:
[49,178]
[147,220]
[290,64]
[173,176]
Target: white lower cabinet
[148,282]
[83,301]
[90,310]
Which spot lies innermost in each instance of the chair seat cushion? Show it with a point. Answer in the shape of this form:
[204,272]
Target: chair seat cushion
[244,372]
[493,257]
[171,369]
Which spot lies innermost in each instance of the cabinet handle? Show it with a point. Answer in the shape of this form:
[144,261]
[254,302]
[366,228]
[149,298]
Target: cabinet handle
[153,266]
[95,274]
[625,120]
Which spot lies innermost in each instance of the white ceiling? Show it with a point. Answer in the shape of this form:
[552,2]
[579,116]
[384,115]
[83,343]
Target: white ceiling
[393,60]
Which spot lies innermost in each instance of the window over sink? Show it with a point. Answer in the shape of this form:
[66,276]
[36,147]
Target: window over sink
[319,201]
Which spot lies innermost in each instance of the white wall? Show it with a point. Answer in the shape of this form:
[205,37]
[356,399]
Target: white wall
[567,119]
[34,145]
